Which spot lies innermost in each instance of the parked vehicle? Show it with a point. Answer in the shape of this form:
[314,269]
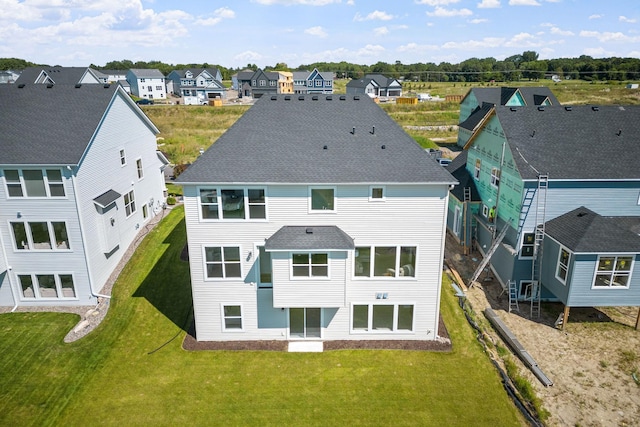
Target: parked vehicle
[144,101]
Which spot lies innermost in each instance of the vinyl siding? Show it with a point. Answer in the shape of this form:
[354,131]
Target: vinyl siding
[410,216]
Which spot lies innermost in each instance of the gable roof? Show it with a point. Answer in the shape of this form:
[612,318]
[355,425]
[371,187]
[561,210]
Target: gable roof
[146,73]
[573,142]
[324,237]
[310,139]
[196,72]
[458,168]
[584,231]
[53,125]
[501,95]
[57,75]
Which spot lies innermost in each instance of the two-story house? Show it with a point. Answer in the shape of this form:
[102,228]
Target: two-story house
[79,178]
[258,83]
[556,215]
[196,86]
[147,83]
[375,85]
[312,82]
[58,75]
[315,232]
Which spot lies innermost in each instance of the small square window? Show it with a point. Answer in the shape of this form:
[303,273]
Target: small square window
[376,193]
[322,200]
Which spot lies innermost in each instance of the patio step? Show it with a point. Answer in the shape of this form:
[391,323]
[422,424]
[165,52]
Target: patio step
[306,346]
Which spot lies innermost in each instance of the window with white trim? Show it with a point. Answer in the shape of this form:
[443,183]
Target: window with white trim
[613,271]
[309,265]
[563,265]
[46,286]
[385,261]
[34,183]
[495,177]
[232,318]
[222,262]
[263,82]
[382,318]
[40,235]
[123,158]
[476,172]
[233,203]
[129,203]
[139,168]
[322,199]
[376,193]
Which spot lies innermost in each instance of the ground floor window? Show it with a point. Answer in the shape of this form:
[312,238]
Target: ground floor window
[613,272]
[382,317]
[232,317]
[563,265]
[46,286]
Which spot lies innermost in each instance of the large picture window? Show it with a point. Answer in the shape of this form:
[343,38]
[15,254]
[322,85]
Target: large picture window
[46,286]
[310,265]
[34,183]
[613,272]
[40,235]
[382,318]
[237,203]
[385,261]
[222,262]
[322,199]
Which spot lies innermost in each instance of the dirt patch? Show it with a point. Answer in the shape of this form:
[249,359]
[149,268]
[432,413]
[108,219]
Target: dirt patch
[590,362]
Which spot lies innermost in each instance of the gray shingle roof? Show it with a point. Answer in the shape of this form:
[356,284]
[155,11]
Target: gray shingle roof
[307,238]
[106,198]
[574,142]
[476,117]
[584,231]
[59,75]
[309,139]
[147,73]
[500,95]
[50,126]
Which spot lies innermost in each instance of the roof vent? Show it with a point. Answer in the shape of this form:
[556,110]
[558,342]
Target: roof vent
[595,108]
[314,97]
[106,86]
[78,85]
[287,98]
[325,147]
[619,132]
[274,98]
[568,108]
[540,108]
[329,98]
[301,98]
[356,97]
[21,85]
[309,230]
[513,109]
[353,130]
[49,85]
[581,214]
[343,97]
[533,133]
[384,147]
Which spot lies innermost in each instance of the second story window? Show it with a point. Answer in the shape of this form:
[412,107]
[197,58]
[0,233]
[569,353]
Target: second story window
[309,265]
[495,177]
[139,168]
[385,261]
[40,235]
[476,172]
[263,82]
[322,199]
[222,262]
[129,203]
[123,158]
[236,203]
[528,241]
[34,183]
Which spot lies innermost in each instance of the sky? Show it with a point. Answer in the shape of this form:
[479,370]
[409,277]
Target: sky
[235,33]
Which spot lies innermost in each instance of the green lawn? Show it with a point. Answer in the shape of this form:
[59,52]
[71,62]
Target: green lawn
[133,371]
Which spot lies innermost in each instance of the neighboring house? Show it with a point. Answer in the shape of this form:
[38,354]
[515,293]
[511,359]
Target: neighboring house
[79,178]
[312,82]
[111,76]
[564,186]
[196,86]
[314,232]
[258,83]
[147,83]
[375,85]
[8,76]
[58,75]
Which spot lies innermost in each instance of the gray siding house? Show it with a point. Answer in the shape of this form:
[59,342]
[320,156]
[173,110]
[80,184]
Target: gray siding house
[58,75]
[312,82]
[375,85]
[309,233]
[196,86]
[79,177]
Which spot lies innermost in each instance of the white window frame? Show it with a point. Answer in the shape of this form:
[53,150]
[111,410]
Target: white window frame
[613,271]
[477,169]
[323,211]
[309,265]
[225,317]
[46,182]
[123,157]
[223,262]
[131,204]
[219,205]
[560,264]
[394,329]
[36,286]
[495,177]
[29,235]
[485,210]
[139,168]
[377,199]
[397,270]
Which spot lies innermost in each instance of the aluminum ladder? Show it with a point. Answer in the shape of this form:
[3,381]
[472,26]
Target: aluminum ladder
[488,255]
[513,296]
[536,261]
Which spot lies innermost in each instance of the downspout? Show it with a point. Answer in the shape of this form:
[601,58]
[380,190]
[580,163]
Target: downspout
[82,233]
[6,263]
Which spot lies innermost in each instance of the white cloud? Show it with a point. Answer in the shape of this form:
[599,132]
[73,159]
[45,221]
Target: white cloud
[437,2]
[218,16]
[523,3]
[316,31]
[558,32]
[489,4]
[478,21]
[596,16]
[487,42]
[607,37]
[375,15]
[441,12]
[248,56]
[623,18]
[381,31]
[351,3]
[414,47]
[297,2]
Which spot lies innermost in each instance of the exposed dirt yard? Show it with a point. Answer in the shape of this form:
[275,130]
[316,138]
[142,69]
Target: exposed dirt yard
[590,362]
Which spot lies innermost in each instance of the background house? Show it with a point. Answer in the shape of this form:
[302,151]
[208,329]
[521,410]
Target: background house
[314,232]
[58,75]
[544,168]
[312,82]
[147,83]
[196,86]
[258,83]
[9,76]
[375,85]
[79,178]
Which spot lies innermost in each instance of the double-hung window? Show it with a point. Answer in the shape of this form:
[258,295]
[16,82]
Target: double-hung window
[563,265]
[528,242]
[139,168]
[322,199]
[613,271]
[129,203]
[236,203]
[476,172]
[385,261]
[495,177]
[222,262]
[232,317]
[309,265]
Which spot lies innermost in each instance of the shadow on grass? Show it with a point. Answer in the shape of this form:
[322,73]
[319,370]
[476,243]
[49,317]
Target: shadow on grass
[167,286]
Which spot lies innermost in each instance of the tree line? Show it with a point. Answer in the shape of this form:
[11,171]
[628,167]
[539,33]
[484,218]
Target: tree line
[517,67]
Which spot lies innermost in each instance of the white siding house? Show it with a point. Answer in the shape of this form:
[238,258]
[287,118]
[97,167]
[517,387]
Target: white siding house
[147,83]
[80,177]
[315,232]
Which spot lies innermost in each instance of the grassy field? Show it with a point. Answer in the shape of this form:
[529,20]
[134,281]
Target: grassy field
[132,370]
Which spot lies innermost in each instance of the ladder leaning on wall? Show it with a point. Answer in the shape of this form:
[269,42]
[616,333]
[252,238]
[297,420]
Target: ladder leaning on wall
[536,261]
